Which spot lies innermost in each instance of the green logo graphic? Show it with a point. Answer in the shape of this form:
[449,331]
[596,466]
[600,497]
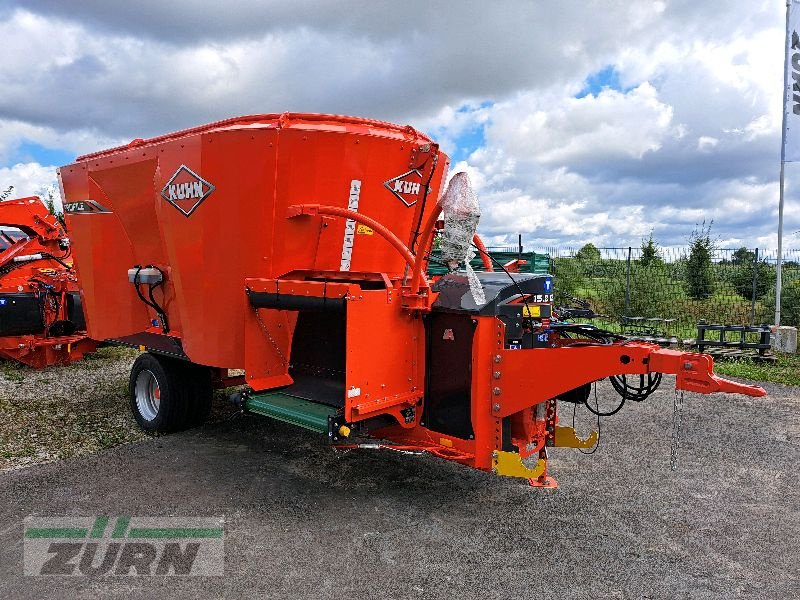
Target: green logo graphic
[134,546]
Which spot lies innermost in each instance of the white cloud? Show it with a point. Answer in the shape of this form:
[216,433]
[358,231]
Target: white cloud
[28,179]
[706,143]
[76,142]
[609,126]
[693,134]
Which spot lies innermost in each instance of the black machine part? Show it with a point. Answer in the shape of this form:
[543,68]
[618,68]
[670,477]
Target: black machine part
[448,377]
[20,314]
[455,294]
[75,311]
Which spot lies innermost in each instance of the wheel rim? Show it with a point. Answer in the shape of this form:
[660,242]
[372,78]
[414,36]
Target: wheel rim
[148,395]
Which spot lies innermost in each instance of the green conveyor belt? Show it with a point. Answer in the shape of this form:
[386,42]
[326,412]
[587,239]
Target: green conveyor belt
[291,409]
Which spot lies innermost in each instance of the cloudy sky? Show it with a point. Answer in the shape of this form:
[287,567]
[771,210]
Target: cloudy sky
[579,121]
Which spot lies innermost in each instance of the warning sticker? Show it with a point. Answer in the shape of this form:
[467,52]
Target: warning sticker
[364,230]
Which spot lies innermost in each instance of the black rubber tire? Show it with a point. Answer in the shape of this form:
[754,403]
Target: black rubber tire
[174,393]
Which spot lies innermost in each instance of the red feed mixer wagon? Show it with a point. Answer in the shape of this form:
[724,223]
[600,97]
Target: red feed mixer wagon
[294,247]
[41,318]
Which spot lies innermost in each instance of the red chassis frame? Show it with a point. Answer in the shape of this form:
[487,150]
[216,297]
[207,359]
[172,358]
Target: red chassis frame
[521,385]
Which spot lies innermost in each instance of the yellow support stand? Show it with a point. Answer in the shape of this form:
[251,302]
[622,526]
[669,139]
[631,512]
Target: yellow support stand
[509,464]
[567,438]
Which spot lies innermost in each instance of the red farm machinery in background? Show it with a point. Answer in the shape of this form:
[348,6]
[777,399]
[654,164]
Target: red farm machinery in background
[294,247]
[41,317]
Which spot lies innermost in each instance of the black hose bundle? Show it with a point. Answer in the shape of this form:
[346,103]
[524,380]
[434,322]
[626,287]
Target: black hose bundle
[647,385]
[152,302]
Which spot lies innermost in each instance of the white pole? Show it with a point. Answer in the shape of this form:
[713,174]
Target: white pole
[778,279]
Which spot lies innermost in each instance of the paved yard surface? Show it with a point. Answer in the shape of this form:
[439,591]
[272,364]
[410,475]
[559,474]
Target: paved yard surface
[302,522]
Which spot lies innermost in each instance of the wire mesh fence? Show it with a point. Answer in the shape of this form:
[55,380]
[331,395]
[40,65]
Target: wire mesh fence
[669,292]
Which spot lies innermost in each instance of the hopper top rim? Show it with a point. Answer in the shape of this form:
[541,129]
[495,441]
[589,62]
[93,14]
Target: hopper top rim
[268,120]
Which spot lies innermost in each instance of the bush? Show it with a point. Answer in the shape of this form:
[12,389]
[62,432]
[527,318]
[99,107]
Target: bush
[653,293]
[790,303]
[567,279]
[741,278]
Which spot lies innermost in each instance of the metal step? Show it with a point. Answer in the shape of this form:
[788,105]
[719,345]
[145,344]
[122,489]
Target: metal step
[290,409]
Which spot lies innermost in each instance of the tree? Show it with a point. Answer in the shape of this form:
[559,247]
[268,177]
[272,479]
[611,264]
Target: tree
[650,253]
[589,253]
[743,256]
[6,193]
[699,268]
[742,277]
[49,199]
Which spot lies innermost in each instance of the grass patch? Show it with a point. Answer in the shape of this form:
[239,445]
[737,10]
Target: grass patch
[12,372]
[63,412]
[785,370]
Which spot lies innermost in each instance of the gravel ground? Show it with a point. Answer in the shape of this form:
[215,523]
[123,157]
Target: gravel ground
[304,522]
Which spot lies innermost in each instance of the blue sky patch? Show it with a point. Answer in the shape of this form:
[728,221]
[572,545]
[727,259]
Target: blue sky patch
[607,77]
[32,152]
[473,138]
[469,141]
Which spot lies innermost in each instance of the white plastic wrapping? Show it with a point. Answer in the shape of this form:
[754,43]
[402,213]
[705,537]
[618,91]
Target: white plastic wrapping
[461,215]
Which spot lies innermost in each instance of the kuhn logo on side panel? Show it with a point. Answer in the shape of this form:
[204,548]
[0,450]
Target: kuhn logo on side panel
[186,190]
[406,187]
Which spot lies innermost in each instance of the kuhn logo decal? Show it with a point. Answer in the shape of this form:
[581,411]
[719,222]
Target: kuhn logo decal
[186,190]
[405,187]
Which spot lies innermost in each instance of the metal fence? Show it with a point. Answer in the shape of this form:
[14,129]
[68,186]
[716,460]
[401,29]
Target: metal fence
[669,293]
